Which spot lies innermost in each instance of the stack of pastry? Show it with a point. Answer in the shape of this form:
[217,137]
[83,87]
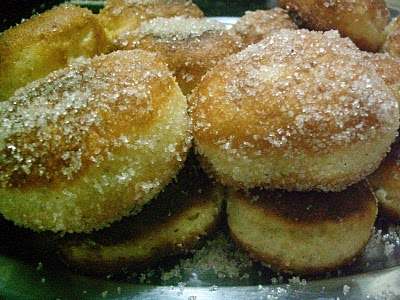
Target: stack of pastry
[294,124]
[105,144]
[93,138]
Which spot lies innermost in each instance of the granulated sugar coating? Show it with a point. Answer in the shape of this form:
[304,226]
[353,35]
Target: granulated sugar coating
[298,111]
[189,46]
[119,16]
[90,143]
[363,21]
[388,67]
[392,41]
[147,2]
[256,25]
[178,28]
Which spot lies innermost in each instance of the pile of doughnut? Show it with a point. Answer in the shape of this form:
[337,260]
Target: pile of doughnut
[129,135]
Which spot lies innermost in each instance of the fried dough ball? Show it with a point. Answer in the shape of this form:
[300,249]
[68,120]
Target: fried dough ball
[256,25]
[119,16]
[174,223]
[298,111]
[91,143]
[302,232]
[189,46]
[392,42]
[385,182]
[47,42]
[363,21]
[388,67]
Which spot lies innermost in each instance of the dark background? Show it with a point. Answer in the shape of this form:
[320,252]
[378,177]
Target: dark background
[13,11]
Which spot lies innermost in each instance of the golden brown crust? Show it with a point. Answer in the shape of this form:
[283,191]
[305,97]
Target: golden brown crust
[189,46]
[185,213]
[299,111]
[388,67]
[73,131]
[392,41]
[47,42]
[311,208]
[302,232]
[119,16]
[363,21]
[385,182]
[89,143]
[256,25]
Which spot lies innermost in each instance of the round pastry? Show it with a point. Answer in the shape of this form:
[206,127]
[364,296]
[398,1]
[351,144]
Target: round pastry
[388,67]
[119,16]
[392,42]
[47,42]
[300,110]
[189,46]
[174,223]
[363,21]
[256,25]
[302,232]
[91,143]
[385,182]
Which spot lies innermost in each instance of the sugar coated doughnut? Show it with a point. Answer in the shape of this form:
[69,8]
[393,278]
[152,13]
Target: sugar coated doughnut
[174,223]
[119,16]
[256,25]
[385,182]
[190,46]
[90,143]
[364,21]
[300,110]
[388,67]
[302,232]
[392,41]
[47,42]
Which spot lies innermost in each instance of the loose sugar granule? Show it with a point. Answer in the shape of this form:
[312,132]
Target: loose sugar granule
[346,289]
[383,248]
[104,294]
[219,257]
[298,280]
